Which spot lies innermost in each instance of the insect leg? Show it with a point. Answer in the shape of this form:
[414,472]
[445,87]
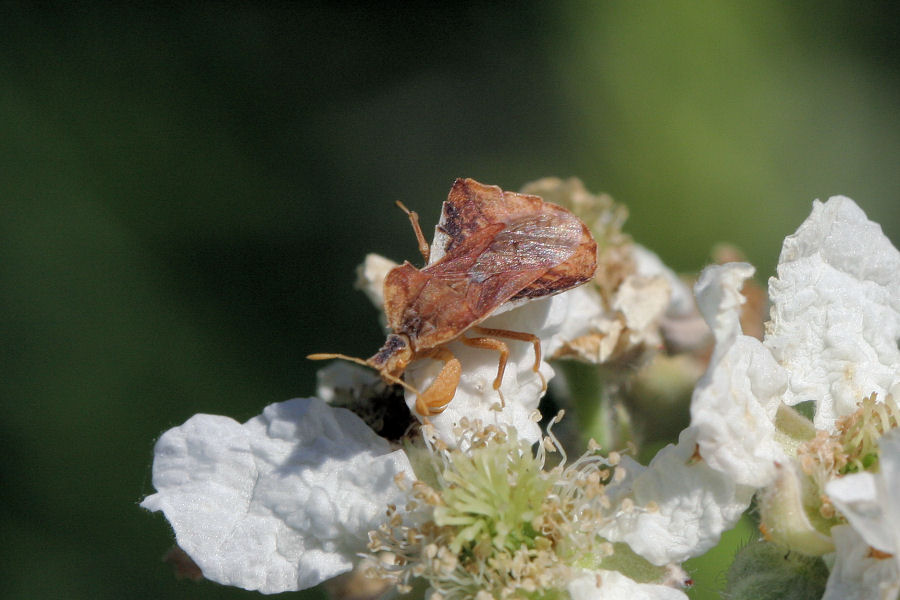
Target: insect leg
[435,398]
[414,219]
[523,337]
[492,344]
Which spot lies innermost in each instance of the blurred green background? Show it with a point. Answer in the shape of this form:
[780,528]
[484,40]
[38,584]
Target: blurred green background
[187,190]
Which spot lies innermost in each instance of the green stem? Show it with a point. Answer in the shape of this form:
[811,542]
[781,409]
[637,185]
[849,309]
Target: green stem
[597,413]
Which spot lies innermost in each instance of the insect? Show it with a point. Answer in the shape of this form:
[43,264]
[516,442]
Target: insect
[491,248]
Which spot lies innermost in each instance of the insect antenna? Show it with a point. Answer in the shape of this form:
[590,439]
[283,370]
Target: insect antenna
[420,237]
[359,361]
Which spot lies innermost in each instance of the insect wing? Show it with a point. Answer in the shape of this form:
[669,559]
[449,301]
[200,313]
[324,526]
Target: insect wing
[434,305]
[488,268]
[536,241]
[575,270]
[472,206]
[545,228]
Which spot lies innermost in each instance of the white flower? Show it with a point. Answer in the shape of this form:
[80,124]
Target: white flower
[633,293]
[612,585]
[857,574]
[836,311]
[734,404]
[867,562]
[680,504]
[832,340]
[674,508]
[502,525]
[280,503]
[599,331]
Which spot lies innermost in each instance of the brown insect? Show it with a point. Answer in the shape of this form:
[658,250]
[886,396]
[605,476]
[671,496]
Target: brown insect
[498,247]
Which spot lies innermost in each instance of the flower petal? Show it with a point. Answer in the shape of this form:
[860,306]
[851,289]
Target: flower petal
[649,264]
[733,410]
[856,574]
[612,585]
[280,503]
[718,292]
[628,320]
[678,506]
[869,500]
[858,498]
[836,310]
[734,404]
[370,276]
[340,379]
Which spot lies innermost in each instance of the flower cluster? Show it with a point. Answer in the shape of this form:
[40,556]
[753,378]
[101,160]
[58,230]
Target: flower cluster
[496,523]
[830,347]
[478,502]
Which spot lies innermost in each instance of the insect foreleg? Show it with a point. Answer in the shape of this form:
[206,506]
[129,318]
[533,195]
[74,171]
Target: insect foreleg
[488,343]
[523,337]
[435,398]
[414,219]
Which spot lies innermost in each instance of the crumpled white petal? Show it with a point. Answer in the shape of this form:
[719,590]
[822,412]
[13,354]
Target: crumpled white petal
[280,503]
[649,264]
[676,507]
[869,501]
[865,503]
[370,277]
[342,378]
[857,574]
[612,585]
[718,293]
[832,339]
[734,404]
[602,330]
[836,310]
[584,314]
[679,505]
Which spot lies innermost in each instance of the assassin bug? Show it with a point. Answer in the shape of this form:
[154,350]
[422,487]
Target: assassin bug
[495,247]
